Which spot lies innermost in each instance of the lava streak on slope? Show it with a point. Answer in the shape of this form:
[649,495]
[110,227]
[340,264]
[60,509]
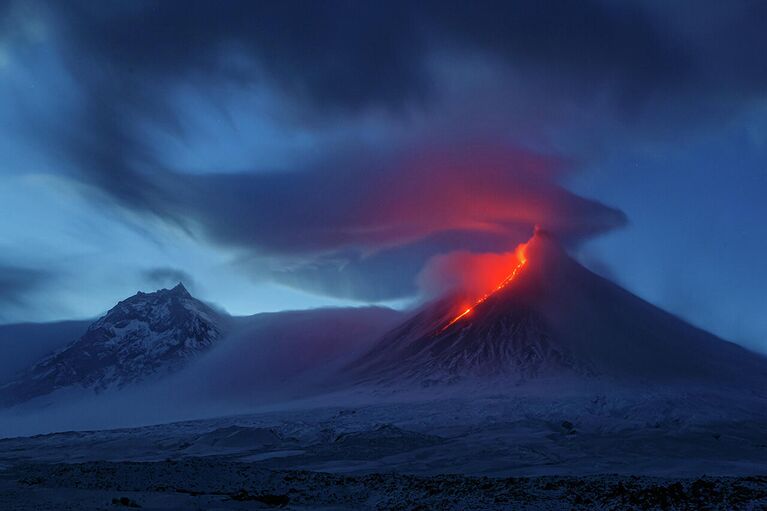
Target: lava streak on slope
[521,261]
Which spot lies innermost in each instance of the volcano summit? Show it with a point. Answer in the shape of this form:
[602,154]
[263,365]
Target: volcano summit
[551,317]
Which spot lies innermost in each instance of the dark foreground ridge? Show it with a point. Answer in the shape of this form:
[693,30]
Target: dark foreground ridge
[198,483]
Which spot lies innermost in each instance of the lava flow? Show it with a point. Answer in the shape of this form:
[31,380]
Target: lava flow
[522,260]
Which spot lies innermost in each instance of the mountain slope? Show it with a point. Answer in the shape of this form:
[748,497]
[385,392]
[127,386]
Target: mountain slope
[23,344]
[147,335]
[555,318]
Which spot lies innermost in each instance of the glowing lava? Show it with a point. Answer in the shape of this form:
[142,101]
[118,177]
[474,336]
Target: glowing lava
[522,260]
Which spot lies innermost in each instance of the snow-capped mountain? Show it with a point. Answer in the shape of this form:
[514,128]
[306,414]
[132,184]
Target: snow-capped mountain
[145,336]
[555,318]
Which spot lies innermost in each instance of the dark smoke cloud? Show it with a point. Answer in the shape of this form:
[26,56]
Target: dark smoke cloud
[347,55]
[367,204]
[363,234]
[361,224]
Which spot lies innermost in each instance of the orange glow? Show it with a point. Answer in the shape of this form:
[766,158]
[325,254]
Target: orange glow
[521,261]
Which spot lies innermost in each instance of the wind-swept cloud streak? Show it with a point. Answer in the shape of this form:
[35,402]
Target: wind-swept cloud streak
[370,205]
[363,229]
[476,112]
[17,284]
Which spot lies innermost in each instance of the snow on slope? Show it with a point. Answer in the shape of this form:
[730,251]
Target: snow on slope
[147,335]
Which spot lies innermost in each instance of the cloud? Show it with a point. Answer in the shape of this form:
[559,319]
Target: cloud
[164,277]
[360,221]
[352,232]
[369,204]
[17,284]
[338,57]
[557,62]
[347,55]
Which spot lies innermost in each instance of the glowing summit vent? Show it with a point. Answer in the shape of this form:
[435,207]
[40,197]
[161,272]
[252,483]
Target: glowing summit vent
[521,261]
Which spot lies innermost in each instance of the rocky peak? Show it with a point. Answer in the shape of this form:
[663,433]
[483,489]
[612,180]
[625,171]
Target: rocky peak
[145,336]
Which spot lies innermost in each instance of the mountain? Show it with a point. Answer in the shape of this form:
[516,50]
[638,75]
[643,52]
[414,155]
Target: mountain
[554,318]
[145,336]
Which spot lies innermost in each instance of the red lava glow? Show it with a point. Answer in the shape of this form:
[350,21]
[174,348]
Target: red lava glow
[521,261]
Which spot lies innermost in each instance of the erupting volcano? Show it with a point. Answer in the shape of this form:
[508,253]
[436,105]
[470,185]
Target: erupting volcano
[551,317]
[522,260]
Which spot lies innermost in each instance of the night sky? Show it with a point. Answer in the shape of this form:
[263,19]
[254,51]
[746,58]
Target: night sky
[288,155]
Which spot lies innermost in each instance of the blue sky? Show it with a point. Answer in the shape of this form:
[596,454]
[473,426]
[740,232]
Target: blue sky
[300,155]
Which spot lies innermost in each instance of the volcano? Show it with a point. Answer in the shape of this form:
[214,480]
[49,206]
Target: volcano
[553,318]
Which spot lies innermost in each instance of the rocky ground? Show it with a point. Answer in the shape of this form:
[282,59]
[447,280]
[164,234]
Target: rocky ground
[488,453]
[198,483]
